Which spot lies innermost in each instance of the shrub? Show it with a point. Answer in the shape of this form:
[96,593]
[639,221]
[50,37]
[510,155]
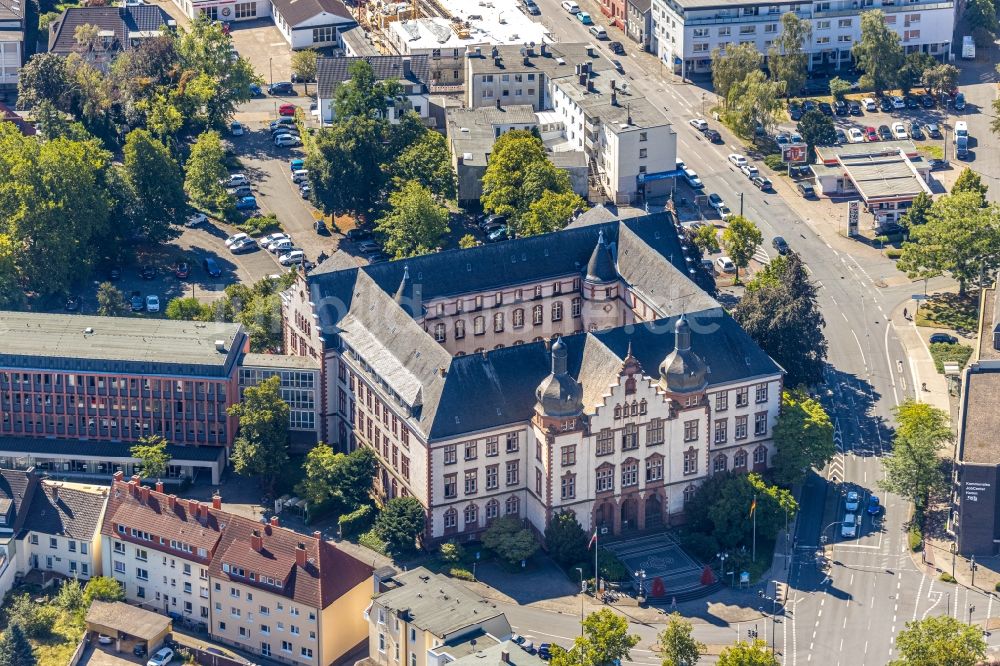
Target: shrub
[894,253]
[400,523]
[703,546]
[948,352]
[774,163]
[510,540]
[915,539]
[461,573]
[565,539]
[36,620]
[258,225]
[611,568]
[946,577]
[882,240]
[997,587]
[357,521]
[371,540]
[451,552]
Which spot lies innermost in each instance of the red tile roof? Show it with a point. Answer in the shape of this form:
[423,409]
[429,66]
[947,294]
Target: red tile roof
[327,572]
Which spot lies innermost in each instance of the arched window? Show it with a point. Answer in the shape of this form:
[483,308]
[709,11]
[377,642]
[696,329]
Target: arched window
[740,459]
[439,333]
[760,455]
[518,342]
[720,463]
[492,509]
[518,318]
[460,353]
[537,339]
[537,317]
[479,350]
[479,325]
[635,408]
[689,493]
[513,506]
[471,514]
[642,406]
[498,347]
[618,411]
[459,329]
[557,311]
[450,519]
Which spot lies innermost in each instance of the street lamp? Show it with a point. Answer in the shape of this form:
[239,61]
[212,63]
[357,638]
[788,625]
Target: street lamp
[641,575]
[974,567]
[722,563]
[953,549]
[972,609]
[583,591]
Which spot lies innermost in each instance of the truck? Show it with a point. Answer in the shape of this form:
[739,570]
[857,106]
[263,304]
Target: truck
[968,48]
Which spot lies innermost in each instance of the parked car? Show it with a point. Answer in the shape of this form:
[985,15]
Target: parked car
[780,245]
[825,108]
[898,104]
[960,102]
[286,110]
[281,88]
[849,528]
[799,171]
[104,639]
[961,128]
[278,122]
[236,238]
[282,246]
[937,164]
[933,131]
[245,245]
[147,272]
[236,129]
[854,135]
[357,234]
[73,303]
[806,190]
[255,90]
[584,18]
[264,241]
[840,108]
[870,134]
[300,176]
[287,141]
[368,247]
[725,265]
[152,303]
[304,191]
[293,257]
[319,226]
[195,220]
[598,32]
[809,105]
[692,179]
[762,183]
[853,501]
[841,136]
[912,102]
[885,105]
[137,302]
[182,270]
[916,133]
[699,124]
[927,101]
[139,650]
[712,135]
[885,133]
[795,111]
[943,338]
[161,658]
[737,160]
[855,108]
[617,64]
[212,267]
[961,147]
[531,8]
[899,131]
[616,48]
[296,164]
[869,104]
[571,6]
[781,138]
[241,191]
[246,203]
[749,170]
[497,234]
[874,506]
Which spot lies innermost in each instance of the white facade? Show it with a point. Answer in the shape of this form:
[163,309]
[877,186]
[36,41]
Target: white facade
[70,557]
[686,32]
[225,10]
[417,100]
[10,58]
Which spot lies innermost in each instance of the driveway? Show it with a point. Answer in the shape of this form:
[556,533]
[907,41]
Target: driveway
[101,655]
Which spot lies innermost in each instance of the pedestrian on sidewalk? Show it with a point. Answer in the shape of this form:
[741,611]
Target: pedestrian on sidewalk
[906,315]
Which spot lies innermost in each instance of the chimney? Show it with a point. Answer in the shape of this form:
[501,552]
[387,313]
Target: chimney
[406,68]
[496,61]
[505,657]
[159,486]
[55,492]
[131,487]
[172,501]
[256,541]
[591,51]
[192,507]
[543,49]
[300,555]
[144,494]
[318,535]
[202,511]
[614,84]
[119,476]
[527,61]
[499,106]
[136,478]
[614,97]
[583,80]
[590,85]
[274,521]
[216,501]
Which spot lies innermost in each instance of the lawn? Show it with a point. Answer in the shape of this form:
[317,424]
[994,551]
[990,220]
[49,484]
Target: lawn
[944,352]
[954,311]
[931,152]
[59,646]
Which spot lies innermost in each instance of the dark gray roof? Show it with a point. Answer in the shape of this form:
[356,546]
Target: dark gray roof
[122,21]
[11,9]
[64,510]
[100,449]
[331,72]
[642,5]
[601,267]
[18,486]
[296,11]
[435,603]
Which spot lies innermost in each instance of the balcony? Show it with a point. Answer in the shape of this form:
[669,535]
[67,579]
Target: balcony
[726,19]
[857,8]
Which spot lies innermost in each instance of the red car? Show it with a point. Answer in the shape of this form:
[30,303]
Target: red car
[870,134]
[181,271]
[286,110]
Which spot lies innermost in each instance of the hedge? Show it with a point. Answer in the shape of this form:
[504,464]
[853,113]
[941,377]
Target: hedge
[371,540]
[357,522]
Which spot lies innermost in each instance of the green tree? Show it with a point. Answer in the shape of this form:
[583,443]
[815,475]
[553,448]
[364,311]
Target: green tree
[961,238]
[428,162]
[740,240]
[163,119]
[15,650]
[261,447]
[817,129]
[11,295]
[721,508]
[467,241]
[110,301]
[941,78]
[565,540]
[982,15]
[914,67]
[780,311]
[510,539]
[205,172]
[970,181]
[914,471]
[676,645]
[400,522]
[917,213]
[70,597]
[753,104]
[261,316]
[44,77]
[747,654]
[605,641]
[518,174]
[189,308]
[878,53]
[451,552]
[803,437]
[707,239]
[839,88]
[728,69]
[345,479]
[304,65]
[151,452]
[551,212]
[36,620]
[345,164]
[415,222]
[156,185]
[940,640]
[102,588]
[363,94]
[787,58]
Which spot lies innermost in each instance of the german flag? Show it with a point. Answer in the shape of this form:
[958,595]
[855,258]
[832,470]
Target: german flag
[753,506]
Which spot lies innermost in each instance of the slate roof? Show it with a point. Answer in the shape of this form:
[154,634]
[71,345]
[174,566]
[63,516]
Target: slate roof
[455,395]
[120,20]
[297,11]
[506,653]
[66,510]
[18,487]
[102,449]
[436,604]
[132,620]
[331,72]
[11,9]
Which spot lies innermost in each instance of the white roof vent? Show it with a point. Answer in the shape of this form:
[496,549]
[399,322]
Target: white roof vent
[220,345]
[88,331]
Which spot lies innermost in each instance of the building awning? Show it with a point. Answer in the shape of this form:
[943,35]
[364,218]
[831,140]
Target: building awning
[662,175]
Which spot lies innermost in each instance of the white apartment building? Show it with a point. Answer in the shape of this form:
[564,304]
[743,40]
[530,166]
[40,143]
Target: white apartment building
[412,73]
[629,144]
[11,43]
[303,23]
[445,366]
[686,32]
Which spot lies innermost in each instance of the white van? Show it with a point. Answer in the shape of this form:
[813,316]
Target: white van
[692,179]
[571,6]
[599,31]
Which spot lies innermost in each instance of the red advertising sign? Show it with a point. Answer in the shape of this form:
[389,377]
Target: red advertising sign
[793,153]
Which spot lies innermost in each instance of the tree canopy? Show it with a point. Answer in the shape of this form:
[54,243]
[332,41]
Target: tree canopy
[15,650]
[940,640]
[151,451]
[155,186]
[734,66]
[342,479]
[740,239]
[787,58]
[878,53]
[261,446]
[427,162]
[205,171]
[605,641]
[415,222]
[565,540]
[914,470]
[803,437]
[551,212]
[399,524]
[970,181]
[817,129]
[747,654]
[510,539]
[720,508]
[676,645]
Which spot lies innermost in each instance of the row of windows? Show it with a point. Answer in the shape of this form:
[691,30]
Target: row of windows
[630,436]
[722,427]
[512,442]
[46,380]
[71,545]
[499,320]
[720,463]
[470,514]
[512,477]
[605,477]
[742,397]
[289,378]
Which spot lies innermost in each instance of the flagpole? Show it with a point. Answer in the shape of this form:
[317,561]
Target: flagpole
[755,528]
[596,574]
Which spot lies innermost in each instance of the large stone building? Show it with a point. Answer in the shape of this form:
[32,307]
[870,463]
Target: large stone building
[629,144]
[581,370]
[266,589]
[685,32]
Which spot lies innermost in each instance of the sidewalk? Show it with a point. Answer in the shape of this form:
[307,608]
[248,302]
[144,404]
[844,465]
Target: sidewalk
[919,358]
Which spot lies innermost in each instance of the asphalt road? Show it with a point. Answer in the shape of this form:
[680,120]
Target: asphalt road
[854,615]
